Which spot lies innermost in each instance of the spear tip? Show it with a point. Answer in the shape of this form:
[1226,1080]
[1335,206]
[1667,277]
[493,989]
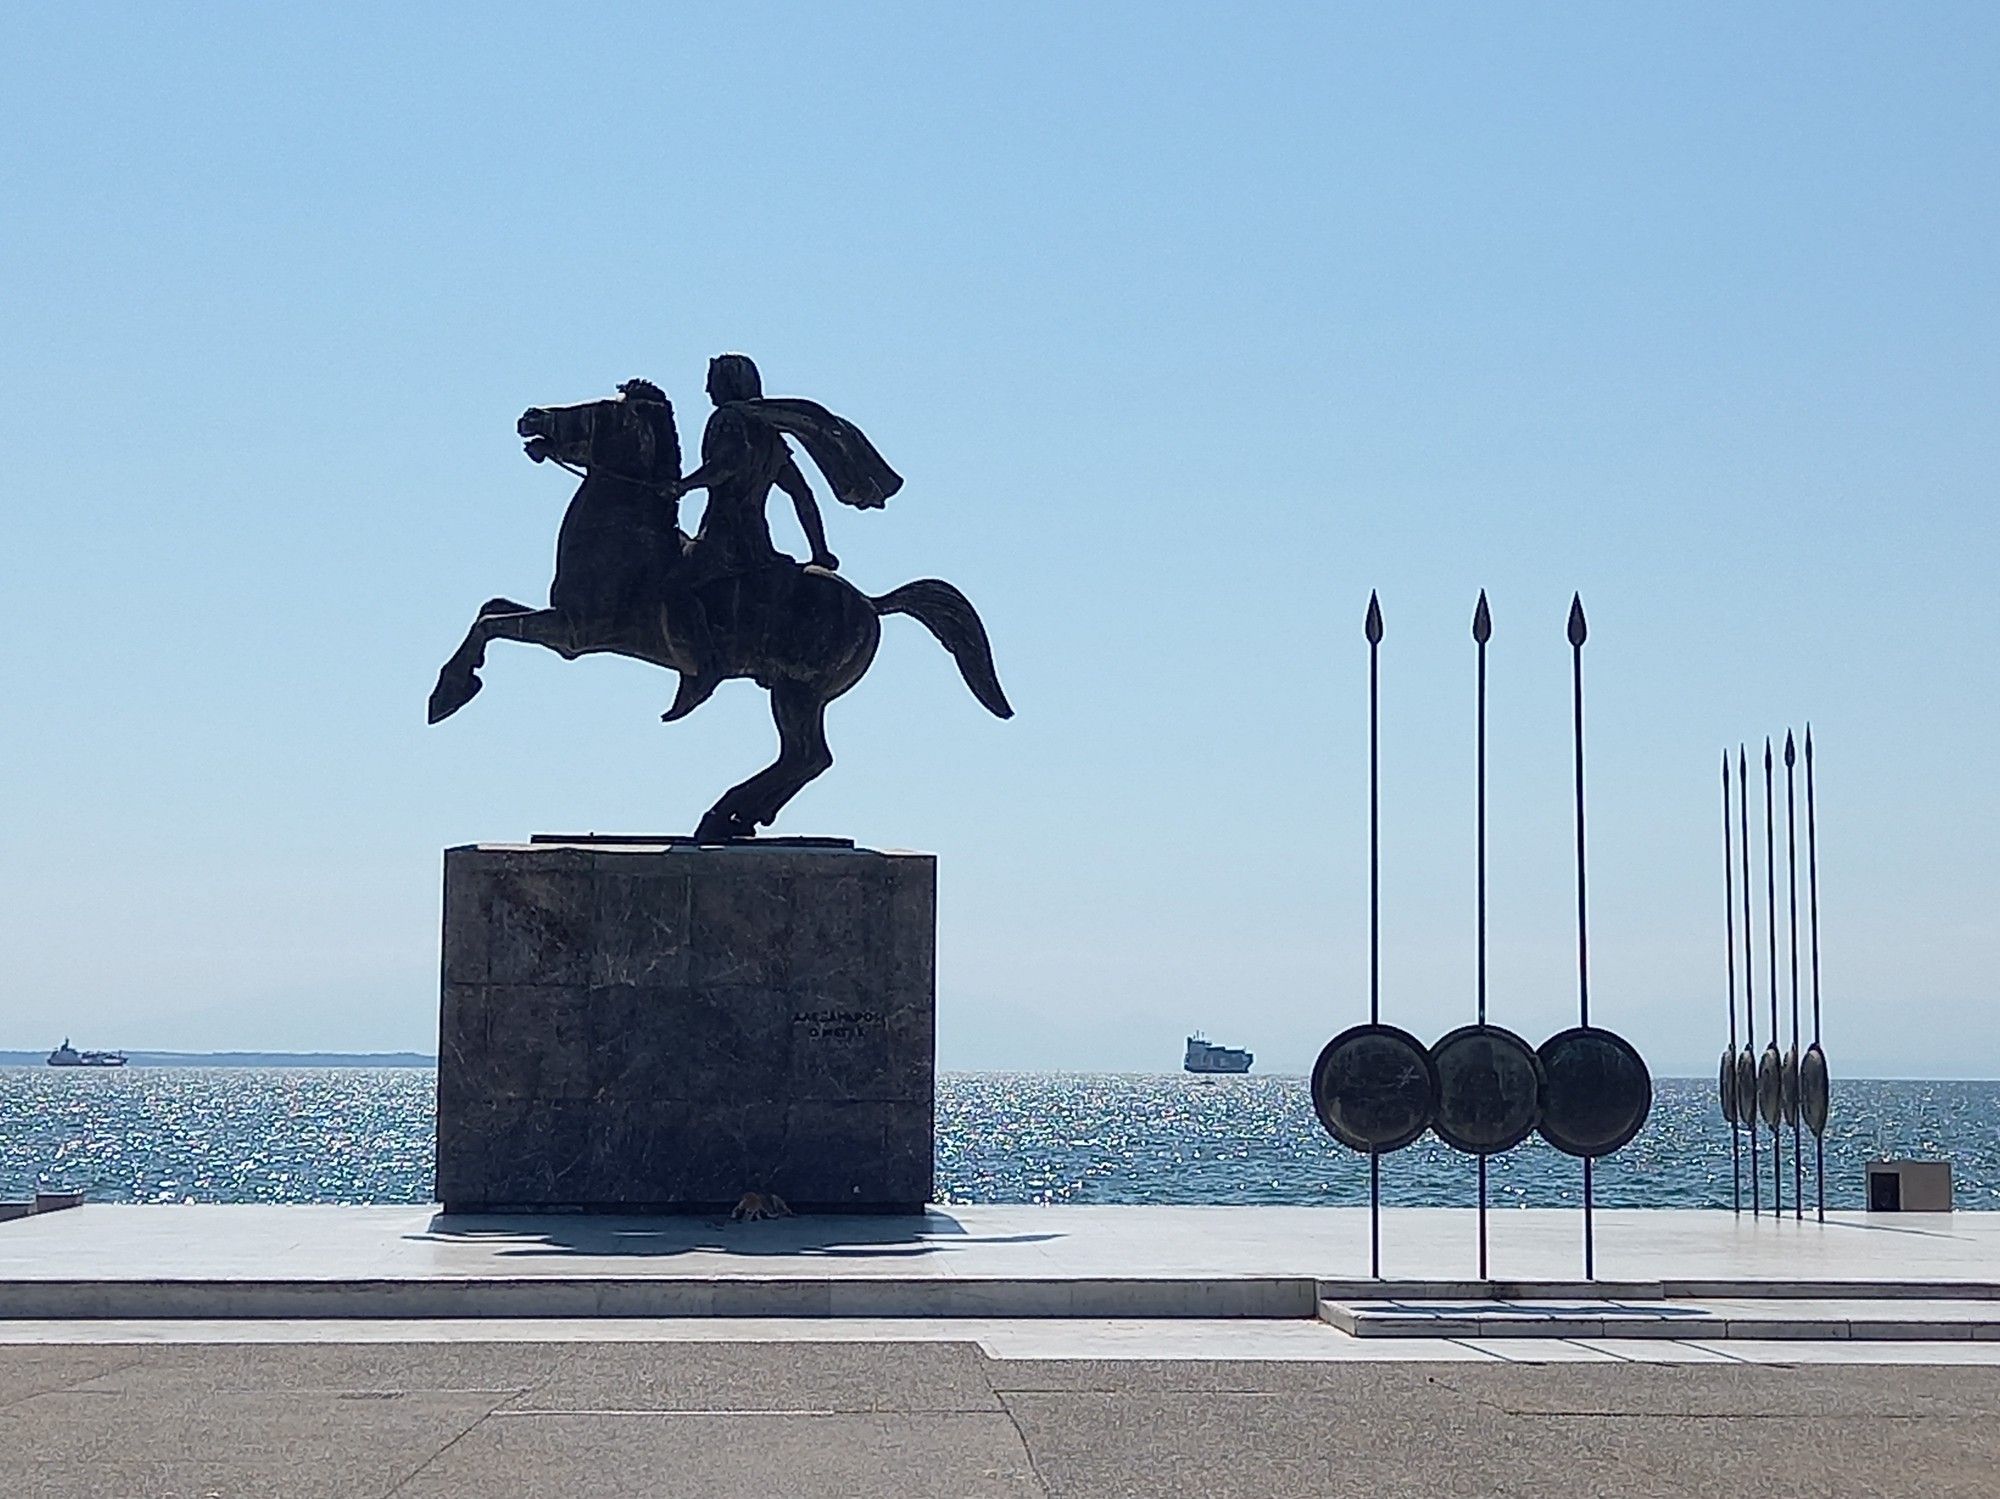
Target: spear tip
[1791,752]
[1725,767]
[1767,751]
[1742,762]
[1482,620]
[1373,624]
[1579,629]
[1808,741]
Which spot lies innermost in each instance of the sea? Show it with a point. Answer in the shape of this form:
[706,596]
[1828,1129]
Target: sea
[363,1135]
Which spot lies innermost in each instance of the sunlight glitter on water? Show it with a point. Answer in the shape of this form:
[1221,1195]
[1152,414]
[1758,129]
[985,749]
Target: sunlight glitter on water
[365,1135]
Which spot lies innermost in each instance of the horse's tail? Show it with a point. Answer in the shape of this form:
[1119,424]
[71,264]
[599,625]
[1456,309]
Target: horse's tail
[949,615]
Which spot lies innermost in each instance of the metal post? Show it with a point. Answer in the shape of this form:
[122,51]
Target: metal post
[1579,631]
[1372,627]
[1375,1214]
[1771,942]
[1729,948]
[1749,970]
[1482,631]
[1792,882]
[1812,906]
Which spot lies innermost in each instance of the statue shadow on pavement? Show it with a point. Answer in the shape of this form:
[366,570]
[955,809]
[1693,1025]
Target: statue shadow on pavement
[807,1235]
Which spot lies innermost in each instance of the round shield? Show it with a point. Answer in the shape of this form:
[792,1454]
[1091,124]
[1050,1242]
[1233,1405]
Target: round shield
[1725,1086]
[1374,1088]
[1596,1091]
[1815,1089]
[1770,1086]
[1489,1089]
[1788,1087]
[1746,1089]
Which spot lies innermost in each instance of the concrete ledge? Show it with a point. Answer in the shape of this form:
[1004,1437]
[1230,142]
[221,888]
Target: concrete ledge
[41,1202]
[650,1296]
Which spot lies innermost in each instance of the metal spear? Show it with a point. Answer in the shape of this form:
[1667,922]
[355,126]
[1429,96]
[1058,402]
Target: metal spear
[1372,628]
[1729,1096]
[1482,631]
[1791,1075]
[1812,906]
[1579,631]
[1773,1110]
[1748,1096]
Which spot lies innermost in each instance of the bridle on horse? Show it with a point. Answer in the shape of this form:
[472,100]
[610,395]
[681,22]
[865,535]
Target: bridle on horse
[664,486]
[583,471]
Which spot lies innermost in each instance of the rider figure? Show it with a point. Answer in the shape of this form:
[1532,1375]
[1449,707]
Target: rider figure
[742,456]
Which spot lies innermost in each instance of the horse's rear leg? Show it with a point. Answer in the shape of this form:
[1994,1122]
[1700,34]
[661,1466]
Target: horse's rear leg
[803,753]
[499,619]
[800,712]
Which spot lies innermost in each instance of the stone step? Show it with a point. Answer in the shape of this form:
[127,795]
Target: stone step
[1739,1288]
[1769,1319]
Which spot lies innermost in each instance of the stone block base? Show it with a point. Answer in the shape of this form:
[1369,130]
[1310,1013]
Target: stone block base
[649,1028]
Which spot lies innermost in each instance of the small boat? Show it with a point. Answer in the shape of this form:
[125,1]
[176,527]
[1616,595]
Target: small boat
[1204,1056]
[66,1055]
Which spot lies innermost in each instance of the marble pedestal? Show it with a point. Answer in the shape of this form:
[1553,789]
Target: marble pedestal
[648,1028]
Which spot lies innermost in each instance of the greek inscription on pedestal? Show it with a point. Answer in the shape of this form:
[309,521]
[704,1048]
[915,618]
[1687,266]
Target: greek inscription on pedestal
[836,1025]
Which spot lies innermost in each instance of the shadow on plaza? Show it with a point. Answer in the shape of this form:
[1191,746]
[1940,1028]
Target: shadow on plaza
[807,1235]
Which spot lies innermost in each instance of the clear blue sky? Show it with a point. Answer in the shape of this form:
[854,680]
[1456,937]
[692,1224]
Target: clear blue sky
[1187,326]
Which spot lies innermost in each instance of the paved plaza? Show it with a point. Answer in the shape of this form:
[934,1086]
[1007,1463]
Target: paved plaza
[160,1353]
[720,1418]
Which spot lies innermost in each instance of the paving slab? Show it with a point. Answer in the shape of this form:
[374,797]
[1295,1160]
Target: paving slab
[1266,1444]
[38,1371]
[1597,1429]
[1522,1350]
[1644,1351]
[175,1439]
[649,1454]
[1386,1383]
[824,1377]
[1859,1351]
[1675,1456]
[1735,1391]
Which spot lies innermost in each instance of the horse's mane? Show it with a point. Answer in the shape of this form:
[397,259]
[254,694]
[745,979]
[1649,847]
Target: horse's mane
[657,412]
[642,390]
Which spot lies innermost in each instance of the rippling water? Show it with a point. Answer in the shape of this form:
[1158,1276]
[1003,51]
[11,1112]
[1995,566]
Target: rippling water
[364,1135]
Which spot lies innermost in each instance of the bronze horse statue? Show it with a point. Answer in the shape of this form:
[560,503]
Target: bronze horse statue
[629,581]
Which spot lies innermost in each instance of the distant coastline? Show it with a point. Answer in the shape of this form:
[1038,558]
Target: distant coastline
[245,1059]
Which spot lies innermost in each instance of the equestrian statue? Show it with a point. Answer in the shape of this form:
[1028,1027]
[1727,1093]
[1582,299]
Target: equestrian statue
[724,602]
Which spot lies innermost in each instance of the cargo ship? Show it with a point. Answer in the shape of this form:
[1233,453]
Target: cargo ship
[1204,1056]
[66,1055]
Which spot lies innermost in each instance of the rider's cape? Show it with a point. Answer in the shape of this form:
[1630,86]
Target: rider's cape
[858,475]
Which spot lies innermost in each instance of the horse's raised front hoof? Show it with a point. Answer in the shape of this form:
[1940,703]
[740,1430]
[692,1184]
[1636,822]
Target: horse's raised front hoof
[452,693]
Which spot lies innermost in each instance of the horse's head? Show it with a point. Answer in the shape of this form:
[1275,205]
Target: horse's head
[632,437]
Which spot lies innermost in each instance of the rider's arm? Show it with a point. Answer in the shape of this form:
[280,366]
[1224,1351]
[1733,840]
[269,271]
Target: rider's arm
[724,439]
[793,483]
[704,476]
